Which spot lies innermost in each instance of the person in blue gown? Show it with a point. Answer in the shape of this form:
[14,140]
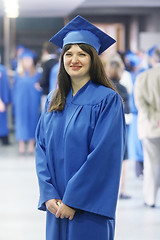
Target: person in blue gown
[5,99]
[135,150]
[114,69]
[150,54]
[26,102]
[80,140]
[15,61]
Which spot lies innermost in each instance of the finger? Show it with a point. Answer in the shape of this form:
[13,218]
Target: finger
[71,217]
[53,208]
[53,212]
[51,203]
[57,214]
[61,216]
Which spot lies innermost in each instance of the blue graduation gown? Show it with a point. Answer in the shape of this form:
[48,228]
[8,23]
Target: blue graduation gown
[78,159]
[135,149]
[6,98]
[26,101]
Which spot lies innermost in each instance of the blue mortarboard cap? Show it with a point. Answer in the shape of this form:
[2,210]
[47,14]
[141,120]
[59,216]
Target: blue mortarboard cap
[133,59]
[20,47]
[28,53]
[79,30]
[151,50]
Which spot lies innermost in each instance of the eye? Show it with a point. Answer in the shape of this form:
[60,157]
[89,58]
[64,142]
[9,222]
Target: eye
[68,54]
[82,54]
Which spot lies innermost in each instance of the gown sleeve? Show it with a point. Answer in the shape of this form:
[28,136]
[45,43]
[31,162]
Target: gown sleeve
[46,181]
[94,187]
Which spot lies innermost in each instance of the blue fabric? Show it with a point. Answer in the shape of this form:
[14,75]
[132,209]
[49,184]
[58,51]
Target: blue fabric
[82,36]
[5,95]
[84,226]
[79,23]
[28,54]
[26,101]
[135,150]
[133,59]
[79,152]
[152,50]
[53,77]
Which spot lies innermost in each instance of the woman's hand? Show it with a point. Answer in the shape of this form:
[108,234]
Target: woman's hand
[52,205]
[37,86]
[65,212]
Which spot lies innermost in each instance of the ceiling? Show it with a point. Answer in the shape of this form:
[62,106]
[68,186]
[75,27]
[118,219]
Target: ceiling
[118,7]
[44,8]
[63,8]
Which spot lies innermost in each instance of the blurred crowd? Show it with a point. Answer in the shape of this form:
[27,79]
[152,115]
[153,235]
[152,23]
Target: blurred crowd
[26,87]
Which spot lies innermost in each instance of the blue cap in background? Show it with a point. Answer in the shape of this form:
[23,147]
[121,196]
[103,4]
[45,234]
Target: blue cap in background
[28,53]
[151,50]
[133,59]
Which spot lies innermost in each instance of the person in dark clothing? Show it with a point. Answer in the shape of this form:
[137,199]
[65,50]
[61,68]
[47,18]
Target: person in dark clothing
[49,59]
[114,70]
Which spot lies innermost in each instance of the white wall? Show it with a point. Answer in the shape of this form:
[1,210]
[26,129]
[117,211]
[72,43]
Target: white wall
[148,40]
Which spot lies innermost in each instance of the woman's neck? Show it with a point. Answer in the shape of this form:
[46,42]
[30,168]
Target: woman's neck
[78,83]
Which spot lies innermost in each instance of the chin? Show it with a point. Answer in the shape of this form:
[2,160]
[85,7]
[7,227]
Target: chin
[75,75]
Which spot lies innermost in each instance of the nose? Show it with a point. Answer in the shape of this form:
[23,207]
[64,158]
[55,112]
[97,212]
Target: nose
[75,59]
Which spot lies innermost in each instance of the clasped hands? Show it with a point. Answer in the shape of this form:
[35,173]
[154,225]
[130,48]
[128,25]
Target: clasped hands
[59,209]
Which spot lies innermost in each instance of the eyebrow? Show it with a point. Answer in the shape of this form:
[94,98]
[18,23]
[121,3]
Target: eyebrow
[70,51]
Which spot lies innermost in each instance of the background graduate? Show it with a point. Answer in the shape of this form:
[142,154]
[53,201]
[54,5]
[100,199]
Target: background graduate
[115,68]
[5,99]
[26,102]
[135,149]
[80,140]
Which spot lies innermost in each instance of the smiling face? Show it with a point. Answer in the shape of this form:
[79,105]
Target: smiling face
[77,63]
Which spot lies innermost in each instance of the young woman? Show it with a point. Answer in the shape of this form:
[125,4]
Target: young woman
[26,102]
[80,141]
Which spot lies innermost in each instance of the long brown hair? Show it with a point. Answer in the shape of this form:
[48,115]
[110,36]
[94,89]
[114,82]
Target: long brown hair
[97,75]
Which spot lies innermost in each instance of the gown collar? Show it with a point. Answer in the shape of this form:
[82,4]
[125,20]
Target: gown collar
[90,94]
[77,96]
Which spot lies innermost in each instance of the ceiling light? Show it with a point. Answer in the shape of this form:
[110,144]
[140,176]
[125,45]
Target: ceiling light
[11,8]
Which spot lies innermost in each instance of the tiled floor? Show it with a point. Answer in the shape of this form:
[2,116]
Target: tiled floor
[20,219]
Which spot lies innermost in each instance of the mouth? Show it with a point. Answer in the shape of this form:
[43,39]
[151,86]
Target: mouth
[75,68]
